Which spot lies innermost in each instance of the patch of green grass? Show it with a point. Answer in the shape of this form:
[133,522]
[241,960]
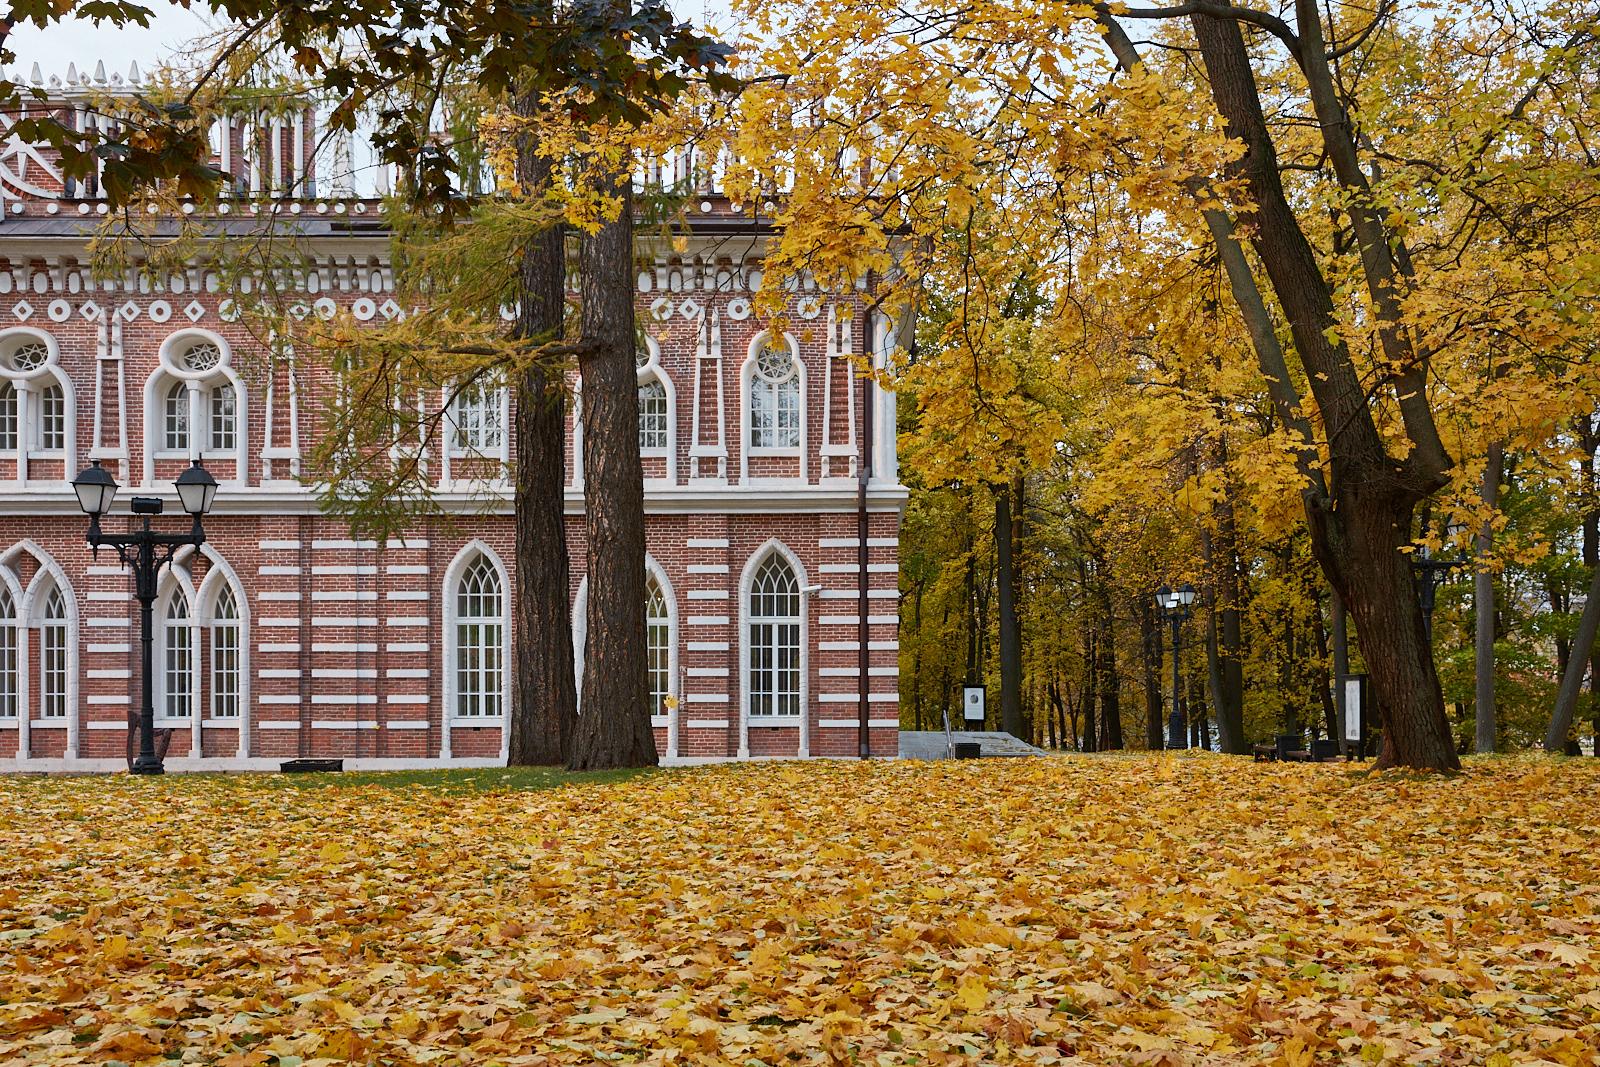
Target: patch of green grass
[465,780]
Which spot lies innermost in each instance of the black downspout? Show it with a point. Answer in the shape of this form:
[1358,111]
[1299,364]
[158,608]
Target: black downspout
[863,474]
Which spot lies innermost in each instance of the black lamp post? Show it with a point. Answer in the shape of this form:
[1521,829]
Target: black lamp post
[1430,574]
[1174,607]
[146,552]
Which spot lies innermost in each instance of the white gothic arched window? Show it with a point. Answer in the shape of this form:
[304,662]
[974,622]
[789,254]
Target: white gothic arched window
[658,645]
[775,402]
[477,426]
[51,426]
[8,417]
[53,652]
[225,644]
[224,419]
[175,418]
[10,674]
[653,417]
[177,644]
[480,642]
[774,636]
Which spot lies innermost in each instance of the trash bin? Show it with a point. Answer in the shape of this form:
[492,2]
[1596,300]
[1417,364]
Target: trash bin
[1287,743]
[968,749]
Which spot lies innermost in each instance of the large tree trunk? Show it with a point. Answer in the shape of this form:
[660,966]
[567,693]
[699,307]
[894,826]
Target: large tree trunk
[1225,641]
[1150,640]
[1555,736]
[1483,605]
[614,727]
[1110,680]
[546,702]
[1007,521]
[1360,530]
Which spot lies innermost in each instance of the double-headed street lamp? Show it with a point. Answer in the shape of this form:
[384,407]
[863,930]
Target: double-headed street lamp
[1174,606]
[146,552]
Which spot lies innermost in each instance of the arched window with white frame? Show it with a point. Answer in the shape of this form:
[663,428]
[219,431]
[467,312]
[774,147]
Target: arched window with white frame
[195,406]
[36,398]
[10,650]
[658,645]
[8,417]
[177,659]
[773,641]
[54,656]
[479,642]
[653,439]
[226,643]
[175,419]
[775,399]
[224,419]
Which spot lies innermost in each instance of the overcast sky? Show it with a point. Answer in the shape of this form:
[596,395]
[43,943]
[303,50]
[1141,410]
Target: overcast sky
[83,43]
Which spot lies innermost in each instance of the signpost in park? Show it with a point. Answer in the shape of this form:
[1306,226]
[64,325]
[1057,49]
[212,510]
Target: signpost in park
[973,703]
[1354,689]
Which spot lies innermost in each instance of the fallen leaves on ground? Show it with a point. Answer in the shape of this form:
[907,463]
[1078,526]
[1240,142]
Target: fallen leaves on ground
[1145,910]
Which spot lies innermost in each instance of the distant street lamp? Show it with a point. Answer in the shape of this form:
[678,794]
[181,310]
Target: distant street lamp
[146,552]
[1430,575]
[1174,606]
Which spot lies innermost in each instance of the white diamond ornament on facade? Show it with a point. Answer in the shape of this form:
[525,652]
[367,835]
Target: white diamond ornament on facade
[129,311]
[690,308]
[390,309]
[91,311]
[661,309]
[195,311]
[23,311]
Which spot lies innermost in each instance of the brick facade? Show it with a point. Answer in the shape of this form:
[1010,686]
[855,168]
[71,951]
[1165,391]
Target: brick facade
[352,648]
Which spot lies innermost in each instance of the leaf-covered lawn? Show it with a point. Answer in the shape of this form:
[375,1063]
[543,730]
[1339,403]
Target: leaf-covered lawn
[1090,910]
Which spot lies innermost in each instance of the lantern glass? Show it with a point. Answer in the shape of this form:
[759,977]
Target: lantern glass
[1186,595]
[1164,598]
[95,488]
[196,489]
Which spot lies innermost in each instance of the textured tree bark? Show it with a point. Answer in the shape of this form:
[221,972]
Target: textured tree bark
[1555,736]
[1110,680]
[1150,641]
[613,729]
[1359,532]
[1222,558]
[1007,519]
[1483,605]
[545,704]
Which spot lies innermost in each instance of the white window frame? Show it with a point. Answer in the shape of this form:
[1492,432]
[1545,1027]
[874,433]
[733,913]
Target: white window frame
[747,720]
[30,386]
[220,576]
[32,603]
[651,371]
[10,415]
[748,379]
[464,559]
[11,659]
[216,672]
[478,409]
[202,386]
[163,651]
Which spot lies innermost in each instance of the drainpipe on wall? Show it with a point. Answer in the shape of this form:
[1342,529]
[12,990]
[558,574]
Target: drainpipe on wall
[863,475]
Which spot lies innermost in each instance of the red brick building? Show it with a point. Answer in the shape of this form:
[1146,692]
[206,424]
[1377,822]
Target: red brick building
[765,458]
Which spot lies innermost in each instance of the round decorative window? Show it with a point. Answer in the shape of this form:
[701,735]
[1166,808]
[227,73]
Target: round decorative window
[201,356]
[641,356]
[30,355]
[775,363]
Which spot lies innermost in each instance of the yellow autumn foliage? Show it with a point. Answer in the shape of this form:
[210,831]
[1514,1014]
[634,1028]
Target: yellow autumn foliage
[1151,910]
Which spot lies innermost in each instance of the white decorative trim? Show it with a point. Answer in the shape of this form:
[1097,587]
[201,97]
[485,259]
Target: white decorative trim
[407,724]
[746,578]
[343,568]
[452,578]
[706,646]
[708,594]
[272,546]
[706,542]
[281,646]
[408,646]
[356,621]
[707,620]
[852,724]
[344,724]
[344,646]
